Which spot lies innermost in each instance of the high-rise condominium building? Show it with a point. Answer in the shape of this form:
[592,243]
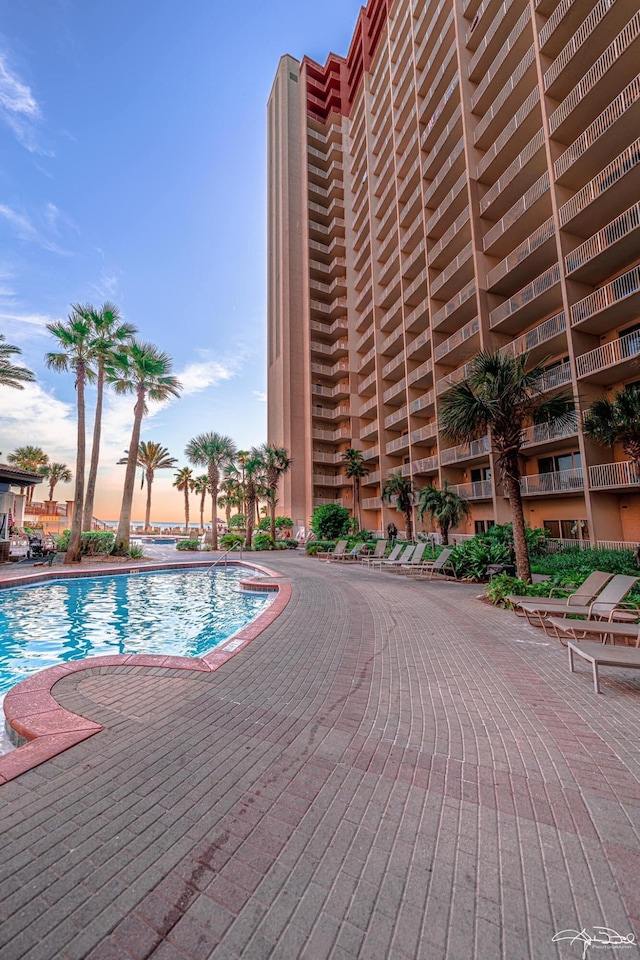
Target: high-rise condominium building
[467,178]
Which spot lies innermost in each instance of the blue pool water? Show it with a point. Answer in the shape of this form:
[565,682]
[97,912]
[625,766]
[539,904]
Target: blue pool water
[184,613]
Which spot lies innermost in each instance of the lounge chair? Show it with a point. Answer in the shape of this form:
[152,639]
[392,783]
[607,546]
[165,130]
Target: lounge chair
[603,655]
[337,551]
[352,555]
[441,564]
[606,604]
[378,553]
[605,630]
[373,562]
[415,561]
[404,557]
[582,595]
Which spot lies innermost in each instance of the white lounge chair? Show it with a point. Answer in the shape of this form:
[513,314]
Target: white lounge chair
[390,564]
[378,553]
[582,595]
[441,564]
[606,604]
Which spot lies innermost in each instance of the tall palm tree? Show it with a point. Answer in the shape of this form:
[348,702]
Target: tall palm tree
[401,489]
[213,451]
[616,421]
[11,375]
[201,487]
[184,481]
[500,397]
[232,496]
[74,339]
[30,458]
[443,507]
[109,331]
[276,463]
[56,473]
[145,371]
[254,478]
[356,470]
[151,457]
[241,458]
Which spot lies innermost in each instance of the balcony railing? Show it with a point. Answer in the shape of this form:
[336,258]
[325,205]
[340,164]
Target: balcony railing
[326,480]
[465,451]
[500,57]
[400,443]
[531,292]
[422,403]
[621,227]
[454,304]
[581,35]
[330,413]
[544,332]
[533,242]
[613,172]
[458,338]
[452,268]
[476,490]
[624,348]
[526,154]
[613,52]
[516,121]
[605,476]
[425,465]
[371,454]
[504,94]
[427,432]
[561,481]
[546,432]
[519,208]
[456,376]
[626,285]
[555,377]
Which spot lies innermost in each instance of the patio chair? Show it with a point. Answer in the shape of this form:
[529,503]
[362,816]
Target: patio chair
[582,595]
[377,554]
[441,564]
[604,607]
[599,654]
[337,551]
[373,562]
[404,557]
[566,628]
[416,560]
[352,555]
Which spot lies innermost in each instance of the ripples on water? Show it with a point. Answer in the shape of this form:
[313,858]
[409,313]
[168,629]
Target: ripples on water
[175,613]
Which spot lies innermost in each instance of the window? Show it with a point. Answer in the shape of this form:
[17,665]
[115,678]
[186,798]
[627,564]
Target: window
[567,529]
[481,526]
[481,473]
[564,461]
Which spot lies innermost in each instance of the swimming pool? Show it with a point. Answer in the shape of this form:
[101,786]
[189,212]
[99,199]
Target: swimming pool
[176,612]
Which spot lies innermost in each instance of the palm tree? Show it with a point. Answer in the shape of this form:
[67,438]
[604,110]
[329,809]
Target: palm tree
[356,469]
[232,497]
[201,487]
[109,332]
[443,507]
[12,375]
[241,457]
[151,457]
[56,473]
[33,459]
[75,353]
[401,489]
[616,421]
[276,463]
[254,478]
[213,451]
[185,482]
[499,397]
[144,370]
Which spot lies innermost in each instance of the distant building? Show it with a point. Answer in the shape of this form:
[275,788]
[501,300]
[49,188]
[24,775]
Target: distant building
[467,177]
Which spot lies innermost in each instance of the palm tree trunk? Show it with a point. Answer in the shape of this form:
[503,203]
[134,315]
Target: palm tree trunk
[74,550]
[213,482]
[444,533]
[52,487]
[272,510]
[124,524]
[202,499]
[408,524]
[512,486]
[147,515]
[186,509]
[250,511]
[356,501]
[87,516]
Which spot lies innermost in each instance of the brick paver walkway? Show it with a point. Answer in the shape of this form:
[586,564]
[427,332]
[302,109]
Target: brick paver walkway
[391,770]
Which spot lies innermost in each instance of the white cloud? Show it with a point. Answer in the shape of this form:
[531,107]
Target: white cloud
[260,395]
[200,375]
[22,226]
[35,416]
[18,107]
[33,319]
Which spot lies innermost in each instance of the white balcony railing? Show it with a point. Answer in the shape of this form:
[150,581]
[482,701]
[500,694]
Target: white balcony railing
[476,490]
[626,285]
[465,451]
[624,348]
[544,332]
[614,231]
[561,481]
[545,432]
[622,474]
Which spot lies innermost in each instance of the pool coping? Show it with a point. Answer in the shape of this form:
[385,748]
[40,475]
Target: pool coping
[33,715]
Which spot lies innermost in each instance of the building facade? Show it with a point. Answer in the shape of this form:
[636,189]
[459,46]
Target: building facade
[467,178]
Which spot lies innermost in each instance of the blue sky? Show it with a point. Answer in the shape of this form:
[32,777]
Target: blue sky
[132,168]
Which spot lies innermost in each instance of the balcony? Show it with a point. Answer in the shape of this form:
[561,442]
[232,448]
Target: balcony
[477,490]
[373,453]
[613,362]
[425,434]
[332,436]
[397,445]
[460,270]
[326,480]
[337,370]
[474,450]
[619,181]
[533,254]
[500,237]
[504,62]
[396,394]
[339,391]
[394,369]
[367,360]
[537,298]
[513,139]
[330,413]
[541,434]
[369,406]
[371,503]
[611,306]
[450,380]
[330,349]
[555,377]
[456,310]
[396,418]
[450,243]
[562,481]
[423,405]
[321,501]
[461,345]
[371,479]
[600,255]
[613,476]
[528,166]
[420,347]
[427,465]
[504,104]
[541,340]
[319,456]
[421,375]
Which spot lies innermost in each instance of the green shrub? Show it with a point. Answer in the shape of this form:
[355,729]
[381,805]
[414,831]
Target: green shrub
[238,522]
[330,521]
[537,538]
[230,540]
[286,543]
[92,543]
[262,541]
[319,546]
[572,567]
[471,558]
[282,523]
[135,553]
[187,544]
[504,585]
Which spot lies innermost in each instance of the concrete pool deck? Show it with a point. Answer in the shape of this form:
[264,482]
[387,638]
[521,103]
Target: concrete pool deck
[389,770]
